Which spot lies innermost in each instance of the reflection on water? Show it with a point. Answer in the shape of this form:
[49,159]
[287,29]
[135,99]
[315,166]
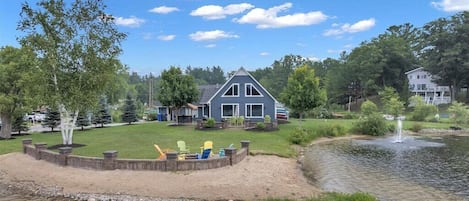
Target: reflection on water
[418,169]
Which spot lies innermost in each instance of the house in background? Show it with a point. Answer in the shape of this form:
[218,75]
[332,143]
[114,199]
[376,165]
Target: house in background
[420,83]
[242,95]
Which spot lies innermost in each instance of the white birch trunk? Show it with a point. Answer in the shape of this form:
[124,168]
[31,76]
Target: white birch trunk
[67,124]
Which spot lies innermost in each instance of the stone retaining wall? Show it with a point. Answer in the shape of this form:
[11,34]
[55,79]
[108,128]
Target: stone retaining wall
[111,162]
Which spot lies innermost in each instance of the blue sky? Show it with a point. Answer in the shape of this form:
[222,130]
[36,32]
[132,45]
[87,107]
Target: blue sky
[251,33]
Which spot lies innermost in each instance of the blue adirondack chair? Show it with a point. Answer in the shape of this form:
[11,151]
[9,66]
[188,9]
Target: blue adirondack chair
[205,154]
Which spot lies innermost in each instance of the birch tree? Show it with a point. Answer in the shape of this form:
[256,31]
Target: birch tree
[78,45]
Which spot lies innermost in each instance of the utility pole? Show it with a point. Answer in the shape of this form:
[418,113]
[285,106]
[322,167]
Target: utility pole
[150,91]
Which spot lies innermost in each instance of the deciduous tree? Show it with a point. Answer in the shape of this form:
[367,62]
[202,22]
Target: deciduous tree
[176,89]
[16,72]
[78,45]
[302,92]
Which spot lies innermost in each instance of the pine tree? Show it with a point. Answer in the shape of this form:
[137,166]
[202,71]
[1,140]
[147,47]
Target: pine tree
[129,113]
[20,125]
[52,119]
[82,120]
[102,116]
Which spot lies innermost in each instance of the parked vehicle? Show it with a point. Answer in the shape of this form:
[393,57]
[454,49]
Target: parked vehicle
[35,117]
[282,114]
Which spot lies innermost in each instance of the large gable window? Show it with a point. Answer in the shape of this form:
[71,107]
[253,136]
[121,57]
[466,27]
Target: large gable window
[233,90]
[251,90]
[229,110]
[254,110]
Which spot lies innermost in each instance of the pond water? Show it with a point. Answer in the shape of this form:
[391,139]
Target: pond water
[416,169]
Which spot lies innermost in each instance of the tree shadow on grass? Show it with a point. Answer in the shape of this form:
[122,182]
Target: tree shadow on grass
[57,146]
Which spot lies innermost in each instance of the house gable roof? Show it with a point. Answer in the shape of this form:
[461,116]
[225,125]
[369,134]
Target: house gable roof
[206,92]
[242,72]
[415,70]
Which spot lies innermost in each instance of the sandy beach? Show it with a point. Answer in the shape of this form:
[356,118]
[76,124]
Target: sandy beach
[256,177]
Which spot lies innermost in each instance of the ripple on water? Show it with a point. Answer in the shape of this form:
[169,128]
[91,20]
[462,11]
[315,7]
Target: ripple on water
[428,169]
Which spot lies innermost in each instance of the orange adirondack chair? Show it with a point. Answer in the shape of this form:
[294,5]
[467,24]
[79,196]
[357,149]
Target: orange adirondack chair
[162,153]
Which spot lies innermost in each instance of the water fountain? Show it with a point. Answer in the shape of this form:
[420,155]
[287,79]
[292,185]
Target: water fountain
[398,138]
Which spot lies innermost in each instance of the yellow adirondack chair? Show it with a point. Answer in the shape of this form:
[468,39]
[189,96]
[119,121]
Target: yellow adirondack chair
[207,145]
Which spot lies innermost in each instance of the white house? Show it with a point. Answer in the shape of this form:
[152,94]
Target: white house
[420,83]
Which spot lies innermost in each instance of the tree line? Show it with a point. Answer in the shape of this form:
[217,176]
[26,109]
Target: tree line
[68,60]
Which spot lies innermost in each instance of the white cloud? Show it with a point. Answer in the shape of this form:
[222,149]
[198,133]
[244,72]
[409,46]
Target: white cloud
[264,54]
[452,5]
[214,12]
[166,37]
[163,10]
[359,26]
[269,18]
[132,21]
[211,45]
[211,35]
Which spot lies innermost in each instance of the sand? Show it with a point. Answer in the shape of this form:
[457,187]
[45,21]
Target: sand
[256,177]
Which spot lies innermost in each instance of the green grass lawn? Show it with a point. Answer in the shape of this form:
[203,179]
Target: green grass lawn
[136,141]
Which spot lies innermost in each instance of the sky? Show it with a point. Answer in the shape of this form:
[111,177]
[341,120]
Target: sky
[250,33]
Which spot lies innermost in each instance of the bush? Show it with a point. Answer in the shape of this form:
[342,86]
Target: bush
[320,113]
[391,127]
[260,125]
[422,112]
[368,108]
[416,127]
[432,118]
[267,119]
[116,116]
[299,136]
[331,130]
[373,124]
[210,123]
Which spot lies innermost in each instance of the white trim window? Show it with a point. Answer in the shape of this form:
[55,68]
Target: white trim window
[254,110]
[232,91]
[229,110]
[251,91]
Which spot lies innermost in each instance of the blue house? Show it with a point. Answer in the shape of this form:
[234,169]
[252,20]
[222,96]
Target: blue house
[242,95]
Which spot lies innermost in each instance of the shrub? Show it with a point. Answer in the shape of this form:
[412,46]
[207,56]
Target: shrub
[260,125]
[416,127]
[422,112]
[391,127]
[320,113]
[459,113]
[331,130]
[368,108]
[240,121]
[210,123]
[298,136]
[233,121]
[267,119]
[373,124]
[432,118]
